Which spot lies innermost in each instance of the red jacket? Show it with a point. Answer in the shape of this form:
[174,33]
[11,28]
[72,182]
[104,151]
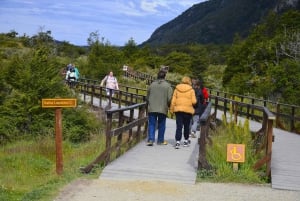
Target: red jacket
[205,94]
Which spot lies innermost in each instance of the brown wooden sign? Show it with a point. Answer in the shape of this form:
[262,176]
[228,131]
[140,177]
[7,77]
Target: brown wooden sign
[59,102]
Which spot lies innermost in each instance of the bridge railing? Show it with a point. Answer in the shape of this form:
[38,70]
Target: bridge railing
[136,75]
[287,117]
[263,138]
[125,125]
[205,121]
[93,89]
[122,135]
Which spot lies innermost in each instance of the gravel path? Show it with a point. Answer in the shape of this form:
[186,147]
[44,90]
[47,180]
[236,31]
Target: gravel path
[108,190]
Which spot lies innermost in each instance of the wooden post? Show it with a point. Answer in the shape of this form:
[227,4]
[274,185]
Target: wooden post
[235,109]
[58,103]
[110,98]
[269,145]
[58,140]
[108,137]
[235,166]
[92,95]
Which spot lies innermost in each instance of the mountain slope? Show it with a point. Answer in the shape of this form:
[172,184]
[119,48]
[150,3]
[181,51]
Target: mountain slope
[216,21]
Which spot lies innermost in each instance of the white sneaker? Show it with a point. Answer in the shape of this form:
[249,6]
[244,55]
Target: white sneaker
[177,145]
[193,134]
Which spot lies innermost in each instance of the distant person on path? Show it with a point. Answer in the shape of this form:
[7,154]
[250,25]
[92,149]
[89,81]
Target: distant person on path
[158,97]
[199,108]
[182,105]
[77,74]
[205,93]
[71,77]
[111,83]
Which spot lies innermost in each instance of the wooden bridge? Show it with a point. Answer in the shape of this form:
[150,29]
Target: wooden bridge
[164,163]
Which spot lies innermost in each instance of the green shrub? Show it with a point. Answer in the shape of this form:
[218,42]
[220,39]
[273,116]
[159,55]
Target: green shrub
[222,171]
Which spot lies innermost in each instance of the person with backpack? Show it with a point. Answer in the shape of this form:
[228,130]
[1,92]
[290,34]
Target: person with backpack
[199,108]
[111,83]
[71,77]
[77,74]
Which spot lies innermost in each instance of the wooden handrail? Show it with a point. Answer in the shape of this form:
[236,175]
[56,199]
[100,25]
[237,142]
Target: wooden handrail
[204,124]
[131,123]
[287,116]
[267,129]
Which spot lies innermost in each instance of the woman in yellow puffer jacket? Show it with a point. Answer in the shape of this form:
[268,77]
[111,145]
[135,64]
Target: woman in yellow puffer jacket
[182,105]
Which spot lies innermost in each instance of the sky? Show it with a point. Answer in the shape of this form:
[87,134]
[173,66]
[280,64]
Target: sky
[117,21]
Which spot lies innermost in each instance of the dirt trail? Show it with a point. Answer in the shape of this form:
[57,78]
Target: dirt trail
[108,190]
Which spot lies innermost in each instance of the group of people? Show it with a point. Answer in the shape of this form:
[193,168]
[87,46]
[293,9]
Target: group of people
[72,74]
[187,101]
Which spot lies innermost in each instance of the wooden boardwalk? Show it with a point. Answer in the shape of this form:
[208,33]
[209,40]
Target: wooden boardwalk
[164,163]
[285,164]
[159,162]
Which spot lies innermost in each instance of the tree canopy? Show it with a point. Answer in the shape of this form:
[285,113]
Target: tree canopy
[267,63]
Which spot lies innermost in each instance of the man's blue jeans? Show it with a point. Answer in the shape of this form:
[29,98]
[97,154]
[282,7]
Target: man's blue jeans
[160,118]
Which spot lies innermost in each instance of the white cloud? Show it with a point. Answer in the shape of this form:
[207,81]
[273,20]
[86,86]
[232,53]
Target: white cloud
[74,20]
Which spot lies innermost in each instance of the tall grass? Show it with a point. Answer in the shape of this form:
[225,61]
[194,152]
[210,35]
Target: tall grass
[28,168]
[222,171]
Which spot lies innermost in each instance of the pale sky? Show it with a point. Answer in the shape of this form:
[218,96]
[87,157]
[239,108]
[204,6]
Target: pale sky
[73,20]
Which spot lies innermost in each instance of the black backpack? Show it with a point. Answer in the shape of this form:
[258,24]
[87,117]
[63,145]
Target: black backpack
[199,97]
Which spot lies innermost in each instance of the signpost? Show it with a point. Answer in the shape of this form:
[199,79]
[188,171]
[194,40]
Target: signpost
[58,103]
[235,154]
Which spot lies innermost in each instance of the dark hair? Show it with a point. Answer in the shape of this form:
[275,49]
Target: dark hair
[201,84]
[161,74]
[198,83]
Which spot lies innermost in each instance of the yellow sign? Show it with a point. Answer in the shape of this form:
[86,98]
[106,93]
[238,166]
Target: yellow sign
[59,102]
[236,153]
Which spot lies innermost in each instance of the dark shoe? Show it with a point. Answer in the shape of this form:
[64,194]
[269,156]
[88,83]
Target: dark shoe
[185,143]
[150,143]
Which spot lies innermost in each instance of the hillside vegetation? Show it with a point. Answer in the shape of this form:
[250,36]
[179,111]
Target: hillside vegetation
[217,21]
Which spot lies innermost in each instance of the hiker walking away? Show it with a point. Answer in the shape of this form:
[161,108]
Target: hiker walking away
[199,108]
[182,103]
[205,93]
[158,97]
[71,77]
[77,74]
[111,83]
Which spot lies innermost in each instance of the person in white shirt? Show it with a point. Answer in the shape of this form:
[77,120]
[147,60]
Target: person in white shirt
[111,83]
